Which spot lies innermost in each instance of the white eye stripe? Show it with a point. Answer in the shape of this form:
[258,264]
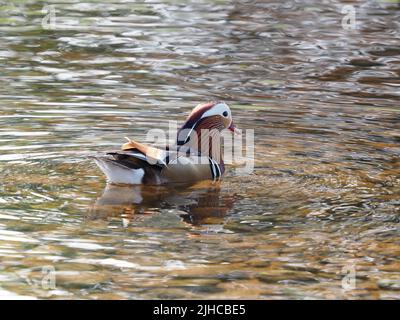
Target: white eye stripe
[217,110]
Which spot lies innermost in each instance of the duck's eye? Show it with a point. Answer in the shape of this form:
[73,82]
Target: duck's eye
[225,113]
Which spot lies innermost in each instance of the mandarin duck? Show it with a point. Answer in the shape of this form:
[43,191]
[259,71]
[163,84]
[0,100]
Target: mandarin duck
[196,155]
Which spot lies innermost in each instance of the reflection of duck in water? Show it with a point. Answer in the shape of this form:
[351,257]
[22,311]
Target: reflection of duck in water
[201,203]
[196,156]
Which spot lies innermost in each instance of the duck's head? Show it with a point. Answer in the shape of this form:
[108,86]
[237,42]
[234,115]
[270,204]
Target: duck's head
[210,115]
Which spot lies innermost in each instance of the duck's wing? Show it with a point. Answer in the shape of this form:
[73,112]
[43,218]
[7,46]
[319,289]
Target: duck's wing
[145,152]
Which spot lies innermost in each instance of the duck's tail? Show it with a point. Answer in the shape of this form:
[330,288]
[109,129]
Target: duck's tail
[117,173]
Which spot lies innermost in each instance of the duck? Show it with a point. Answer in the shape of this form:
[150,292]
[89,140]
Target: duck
[195,156]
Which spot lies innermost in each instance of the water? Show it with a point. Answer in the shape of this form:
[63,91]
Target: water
[323,200]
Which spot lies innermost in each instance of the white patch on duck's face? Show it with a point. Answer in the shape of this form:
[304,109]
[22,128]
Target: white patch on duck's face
[220,109]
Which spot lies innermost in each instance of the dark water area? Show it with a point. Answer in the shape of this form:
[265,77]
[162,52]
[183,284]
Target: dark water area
[324,196]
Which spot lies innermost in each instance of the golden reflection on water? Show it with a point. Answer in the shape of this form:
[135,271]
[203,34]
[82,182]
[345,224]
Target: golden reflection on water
[324,194]
[199,204]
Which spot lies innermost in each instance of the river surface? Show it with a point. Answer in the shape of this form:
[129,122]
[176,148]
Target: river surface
[318,218]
